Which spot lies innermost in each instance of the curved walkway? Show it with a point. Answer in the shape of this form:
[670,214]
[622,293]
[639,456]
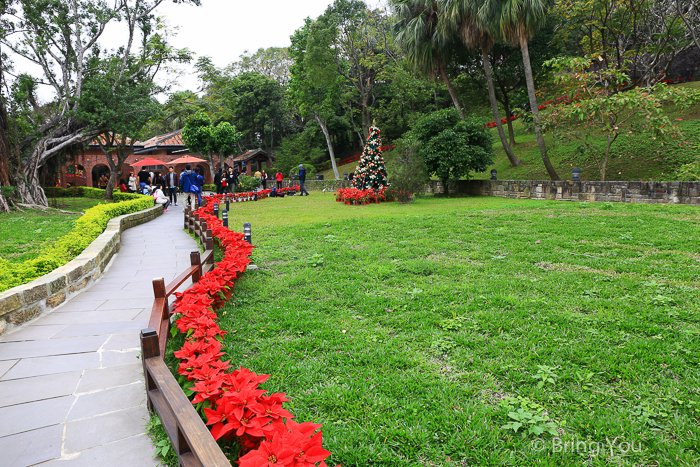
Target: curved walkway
[71,382]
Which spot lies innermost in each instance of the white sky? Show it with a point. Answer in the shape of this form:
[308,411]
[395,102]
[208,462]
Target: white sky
[222,29]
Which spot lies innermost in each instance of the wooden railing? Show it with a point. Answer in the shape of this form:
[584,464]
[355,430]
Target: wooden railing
[191,439]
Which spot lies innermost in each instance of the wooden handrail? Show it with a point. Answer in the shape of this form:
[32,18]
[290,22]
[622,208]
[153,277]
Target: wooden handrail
[191,440]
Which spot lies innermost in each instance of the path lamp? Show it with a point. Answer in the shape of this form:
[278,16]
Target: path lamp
[494,172]
[224,217]
[247,233]
[576,173]
[216,210]
[228,197]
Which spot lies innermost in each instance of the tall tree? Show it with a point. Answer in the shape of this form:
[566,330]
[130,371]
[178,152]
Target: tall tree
[202,136]
[315,85]
[61,37]
[462,15]
[425,45]
[517,21]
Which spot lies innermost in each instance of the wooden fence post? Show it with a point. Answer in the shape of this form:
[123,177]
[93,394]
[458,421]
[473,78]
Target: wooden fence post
[149,348]
[195,260]
[203,232]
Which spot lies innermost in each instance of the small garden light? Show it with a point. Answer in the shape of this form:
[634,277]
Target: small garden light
[224,217]
[247,233]
[216,210]
[576,173]
[494,172]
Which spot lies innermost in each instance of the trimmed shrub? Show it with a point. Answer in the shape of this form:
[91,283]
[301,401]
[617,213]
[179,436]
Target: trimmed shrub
[87,228]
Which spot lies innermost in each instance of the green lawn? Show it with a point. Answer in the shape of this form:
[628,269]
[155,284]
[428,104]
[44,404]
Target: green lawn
[23,235]
[411,332]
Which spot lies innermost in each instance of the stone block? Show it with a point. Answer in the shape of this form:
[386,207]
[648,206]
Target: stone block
[75,274]
[57,284]
[36,293]
[56,299]
[3,326]
[24,315]
[10,303]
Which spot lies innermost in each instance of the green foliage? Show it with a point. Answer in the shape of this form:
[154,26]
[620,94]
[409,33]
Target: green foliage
[527,415]
[452,148]
[87,228]
[164,448]
[300,148]
[247,183]
[408,173]
[202,136]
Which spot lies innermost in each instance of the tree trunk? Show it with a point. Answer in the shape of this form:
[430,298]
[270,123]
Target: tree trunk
[509,118]
[445,190]
[533,107]
[514,161]
[448,83]
[330,144]
[210,160]
[4,206]
[111,182]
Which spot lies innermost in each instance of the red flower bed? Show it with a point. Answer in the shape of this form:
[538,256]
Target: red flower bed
[232,402]
[357,197]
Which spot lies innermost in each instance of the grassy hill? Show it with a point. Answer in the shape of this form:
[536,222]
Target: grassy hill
[632,157]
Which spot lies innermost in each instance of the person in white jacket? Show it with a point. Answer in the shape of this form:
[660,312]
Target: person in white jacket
[133,186]
[160,198]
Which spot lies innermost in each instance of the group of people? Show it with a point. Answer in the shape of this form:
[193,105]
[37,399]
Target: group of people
[164,188]
[226,182]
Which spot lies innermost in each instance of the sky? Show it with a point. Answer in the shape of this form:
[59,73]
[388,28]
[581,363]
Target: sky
[224,29]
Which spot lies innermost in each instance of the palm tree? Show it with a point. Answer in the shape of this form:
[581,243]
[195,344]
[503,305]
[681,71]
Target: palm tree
[425,45]
[462,15]
[517,21]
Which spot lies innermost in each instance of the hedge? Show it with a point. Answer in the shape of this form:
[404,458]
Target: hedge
[86,192]
[87,228]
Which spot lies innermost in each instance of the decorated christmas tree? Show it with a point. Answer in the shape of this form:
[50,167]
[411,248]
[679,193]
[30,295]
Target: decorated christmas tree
[371,173]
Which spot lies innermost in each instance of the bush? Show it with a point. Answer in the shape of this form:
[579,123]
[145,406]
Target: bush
[58,192]
[87,228]
[247,183]
[407,171]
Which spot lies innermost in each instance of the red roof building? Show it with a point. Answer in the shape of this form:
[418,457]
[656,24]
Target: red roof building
[85,169]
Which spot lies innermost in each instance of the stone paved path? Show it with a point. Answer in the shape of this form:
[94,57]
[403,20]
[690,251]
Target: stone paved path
[71,382]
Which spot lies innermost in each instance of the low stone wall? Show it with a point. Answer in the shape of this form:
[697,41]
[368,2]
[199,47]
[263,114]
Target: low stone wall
[313,185]
[566,190]
[621,192]
[25,302]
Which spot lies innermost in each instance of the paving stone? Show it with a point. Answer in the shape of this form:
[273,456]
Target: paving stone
[127,341]
[136,451]
[29,349]
[102,316]
[105,378]
[21,391]
[104,295]
[96,431]
[115,358]
[79,305]
[31,447]
[25,417]
[99,329]
[109,400]
[32,333]
[120,304]
[28,367]
[5,366]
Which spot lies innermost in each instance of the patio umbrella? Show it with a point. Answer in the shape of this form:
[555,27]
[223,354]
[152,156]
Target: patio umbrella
[186,160]
[147,161]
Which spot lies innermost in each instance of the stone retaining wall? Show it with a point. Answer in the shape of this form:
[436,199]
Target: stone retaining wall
[25,302]
[621,192]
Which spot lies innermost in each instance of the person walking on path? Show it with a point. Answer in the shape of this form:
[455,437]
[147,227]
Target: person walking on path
[279,176]
[302,180]
[172,182]
[263,179]
[102,183]
[232,179]
[189,184]
[217,181]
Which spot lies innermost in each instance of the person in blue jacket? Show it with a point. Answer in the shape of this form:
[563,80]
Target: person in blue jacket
[302,179]
[191,182]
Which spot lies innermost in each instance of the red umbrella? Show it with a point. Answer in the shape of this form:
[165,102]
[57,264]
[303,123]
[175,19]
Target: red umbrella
[186,160]
[147,161]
